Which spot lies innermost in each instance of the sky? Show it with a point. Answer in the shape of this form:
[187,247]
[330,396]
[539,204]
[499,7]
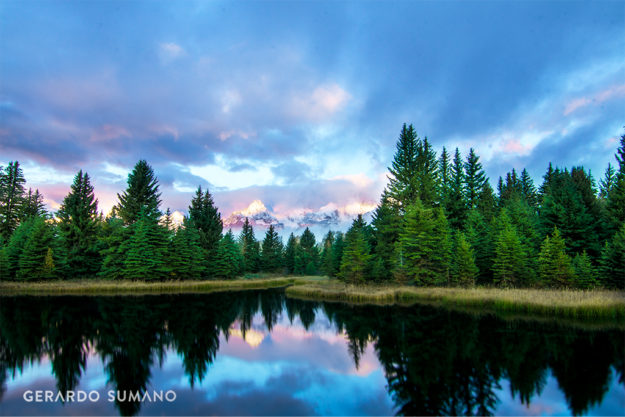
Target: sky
[299,104]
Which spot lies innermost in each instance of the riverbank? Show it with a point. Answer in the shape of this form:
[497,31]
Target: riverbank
[127,287]
[576,304]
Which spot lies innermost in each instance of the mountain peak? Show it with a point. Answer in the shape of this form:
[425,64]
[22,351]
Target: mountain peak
[255,207]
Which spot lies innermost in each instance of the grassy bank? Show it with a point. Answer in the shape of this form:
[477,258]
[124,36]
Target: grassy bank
[605,305]
[98,286]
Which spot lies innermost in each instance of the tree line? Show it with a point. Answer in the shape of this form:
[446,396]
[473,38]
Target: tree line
[439,222]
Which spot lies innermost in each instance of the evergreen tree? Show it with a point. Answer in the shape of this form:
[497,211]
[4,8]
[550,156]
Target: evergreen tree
[338,248]
[141,195]
[554,264]
[464,269]
[402,187]
[229,262]
[11,198]
[36,261]
[509,263]
[356,255]
[386,225]
[186,260]
[250,248]
[4,265]
[306,254]
[78,223]
[616,200]
[15,246]
[444,166]
[327,266]
[113,241]
[424,245]
[487,202]
[474,177]
[289,254]
[456,205]
[478,234]
[206,218]
[145,258]
[528,190]
[271,255]
[607,183]
[426,175]
[33,205]
[613,261]
[585,273]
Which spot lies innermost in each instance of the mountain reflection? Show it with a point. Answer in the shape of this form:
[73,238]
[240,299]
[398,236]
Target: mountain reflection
[436,362]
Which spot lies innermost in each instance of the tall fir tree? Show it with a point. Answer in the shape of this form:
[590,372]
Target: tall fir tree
[386,225]
[11,198]
[33,205]
[612,261]
[338,248]
[271,255]
[327,266]
[456,205]
[250,248]
[474,178]
[187,260]
[478,234]
[554,264]
[616,200]
[206,217]
[145,257]
[141,195]
[36,261]
[607,182]
[16,244]
[425,246]
[402,186]
[444,169]
[528,190]
[113,241]
[289,254]
[464,270]
[306,254]
[426,174]
[356,254]
[78,224]
[510,260]
[229,262]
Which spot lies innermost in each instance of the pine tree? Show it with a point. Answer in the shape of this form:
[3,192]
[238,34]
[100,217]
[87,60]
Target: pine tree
[402,187]
[229,262]
[145,258]
[616,200]
[4,265]
[554,264]
[386,225]
[289,254]
[613,261]
[456,205]
[424,245]
[271,255]
[607,183]
[338,248]
[326,254]
[11,198]
[444,166]
[250,248]
[15,246]
[206,218]
[509,263]
[33,205]
[487,202]
[307,254]
[113,240]
[186,259]
[35,261]
[478,234]
[141,195]
[585,273]
[78,223]
[426,175]
[474,177]
[528,190]
[464,269]
[356,255]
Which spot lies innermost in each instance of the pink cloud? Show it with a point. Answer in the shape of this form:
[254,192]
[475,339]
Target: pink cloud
[107,132]
[612,92]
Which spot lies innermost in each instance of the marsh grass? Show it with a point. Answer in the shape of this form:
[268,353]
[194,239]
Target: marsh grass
[576,304]
[126,287]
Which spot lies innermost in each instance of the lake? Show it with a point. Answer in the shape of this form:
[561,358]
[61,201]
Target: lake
[260,353]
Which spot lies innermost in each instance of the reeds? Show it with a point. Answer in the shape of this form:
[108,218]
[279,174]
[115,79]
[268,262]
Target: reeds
[578,304]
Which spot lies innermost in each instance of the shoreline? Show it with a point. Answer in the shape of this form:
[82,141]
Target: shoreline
[600,305]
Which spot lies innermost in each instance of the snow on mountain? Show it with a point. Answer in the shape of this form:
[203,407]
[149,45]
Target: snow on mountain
[329,217]
[257,214]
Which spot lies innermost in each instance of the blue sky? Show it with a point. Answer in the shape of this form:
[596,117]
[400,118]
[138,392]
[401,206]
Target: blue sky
[299,104]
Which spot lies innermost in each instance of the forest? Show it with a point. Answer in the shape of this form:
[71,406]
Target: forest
[439,222]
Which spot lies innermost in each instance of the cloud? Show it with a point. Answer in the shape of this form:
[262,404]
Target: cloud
[169,51]
[612,92]
[322,103]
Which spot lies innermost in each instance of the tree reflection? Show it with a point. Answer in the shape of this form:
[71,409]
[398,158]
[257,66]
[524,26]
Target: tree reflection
[436,362]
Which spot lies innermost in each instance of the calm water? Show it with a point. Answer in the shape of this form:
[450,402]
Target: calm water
[257,352]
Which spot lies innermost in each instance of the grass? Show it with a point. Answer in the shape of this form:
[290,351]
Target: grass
[576,304]
[99,286]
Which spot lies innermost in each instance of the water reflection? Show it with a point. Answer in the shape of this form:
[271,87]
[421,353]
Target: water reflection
[267,354]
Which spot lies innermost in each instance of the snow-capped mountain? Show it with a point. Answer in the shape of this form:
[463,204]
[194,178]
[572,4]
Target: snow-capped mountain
[257,214]
[329,217]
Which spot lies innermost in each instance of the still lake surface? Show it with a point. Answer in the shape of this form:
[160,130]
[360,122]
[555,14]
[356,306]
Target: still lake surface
[260,353]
